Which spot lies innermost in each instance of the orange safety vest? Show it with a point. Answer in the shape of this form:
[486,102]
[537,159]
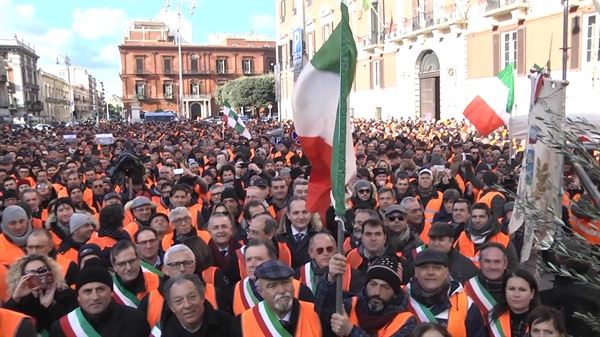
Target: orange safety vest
[457,314]
[433,206]
[347,245]
[567,203]
[151,282]
[72,255]
[589,229]
[63,263]
[10,321]
[486,197]
[3,286]
[102,242]
[244,298]
[156,303]
[132,228]
[389,329]
[466,247]
[254,322]
[167,241]
[424,236]
[208,274]
[9,252]
[285,256]
[501,326]
[307,278]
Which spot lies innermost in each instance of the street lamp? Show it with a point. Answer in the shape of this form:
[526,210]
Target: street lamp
[178,6]
[71,98]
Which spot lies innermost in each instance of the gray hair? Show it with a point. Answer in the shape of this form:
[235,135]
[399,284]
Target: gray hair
[216,216]
[176,249]
[30,190]
[299,182]
[407,200]
[181,279]
[178,210]
[216,186]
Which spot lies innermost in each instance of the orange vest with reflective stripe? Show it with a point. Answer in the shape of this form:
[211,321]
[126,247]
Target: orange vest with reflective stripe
[239,300]
[10,321]
[433,206]
[389,329]
[347,245]
[589,229]
[309,325]
[466,247]
[9,252]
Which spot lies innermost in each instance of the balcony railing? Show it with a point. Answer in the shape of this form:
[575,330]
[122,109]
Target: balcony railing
[197,72]
[169,96]
[374,39]
[490,5]
[140,96]
[197,96]
[169,71]
[499,8]
[140,71]
[424,22]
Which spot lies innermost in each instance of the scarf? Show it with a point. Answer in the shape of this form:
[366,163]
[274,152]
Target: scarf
[20,241]
[478,236]
[117,234]
[61,229]
[360,204]
[425,193]
[372,322]
[404,236]
[427,298]
[179,238]
[493,287]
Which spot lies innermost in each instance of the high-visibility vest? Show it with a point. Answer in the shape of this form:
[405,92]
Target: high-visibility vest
[63,263]
[347,245]
[167,240]
[389,329]
[285,256]
[433,206]
[9,252]
[72,255]
[500,327]
[466,247]
[156,302]
[102,242]
[424,236]
[254,322]
[486,197]
[457,313]
[241,295]
[589,229]
[10,321]
[208,274]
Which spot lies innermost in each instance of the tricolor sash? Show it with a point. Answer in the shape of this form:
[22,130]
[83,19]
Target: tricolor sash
[484,300]
[248,298]
[74,324]
[124,296]
[307,276]
[422,313]
[268,321]
[149,268]
[500,327]
[418,250]
[156,330]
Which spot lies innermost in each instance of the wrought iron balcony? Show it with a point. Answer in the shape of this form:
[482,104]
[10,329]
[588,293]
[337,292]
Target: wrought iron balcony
[140,71]
[140,96]
[375,39]
[499,8]
[169,96]
[197,96]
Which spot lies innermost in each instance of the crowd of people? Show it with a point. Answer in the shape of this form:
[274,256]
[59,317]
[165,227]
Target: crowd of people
[186,229]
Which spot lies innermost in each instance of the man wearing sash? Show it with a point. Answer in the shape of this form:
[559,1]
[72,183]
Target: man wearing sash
[379,309]
[321,248]
[98,314]
[279,314]
[486,288]
[246,294]
[131,284]
[434,297]
[193,315]
[441,237]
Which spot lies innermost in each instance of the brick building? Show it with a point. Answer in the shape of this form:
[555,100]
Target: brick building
[150,68]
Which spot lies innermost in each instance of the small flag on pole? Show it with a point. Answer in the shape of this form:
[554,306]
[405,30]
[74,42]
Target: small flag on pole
[366,5]
[491,108]
[233,120]
[319,103]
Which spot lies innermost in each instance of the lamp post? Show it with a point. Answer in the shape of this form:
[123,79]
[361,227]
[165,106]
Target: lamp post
[178,6]
[71,99]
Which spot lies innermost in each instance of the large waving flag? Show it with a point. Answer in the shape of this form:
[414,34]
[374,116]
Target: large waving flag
[320,102]
[233,120]
[492,107]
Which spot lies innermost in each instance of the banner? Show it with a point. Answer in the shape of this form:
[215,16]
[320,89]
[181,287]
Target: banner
[540,178]
[69,137]
[105,138]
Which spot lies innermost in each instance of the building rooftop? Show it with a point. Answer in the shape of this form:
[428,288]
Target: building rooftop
[15,42]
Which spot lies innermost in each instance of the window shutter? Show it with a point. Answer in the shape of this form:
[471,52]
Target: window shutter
[521,51]
[381,73]
[575,42]
[496,52]
[371,72]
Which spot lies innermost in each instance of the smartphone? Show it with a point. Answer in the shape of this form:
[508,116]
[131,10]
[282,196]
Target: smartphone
[178,171]
[40,280]
[439,168]
[243,164]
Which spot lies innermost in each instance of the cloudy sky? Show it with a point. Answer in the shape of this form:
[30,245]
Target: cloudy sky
[89,31]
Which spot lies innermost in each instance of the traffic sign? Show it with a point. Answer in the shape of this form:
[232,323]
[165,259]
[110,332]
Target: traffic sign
[277,140]
[297,44]
[428,117]
[294,135]
[269,106]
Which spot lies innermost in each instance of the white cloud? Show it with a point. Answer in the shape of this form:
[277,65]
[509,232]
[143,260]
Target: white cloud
[109,53]
[261,22]
[96,23]
[26,10]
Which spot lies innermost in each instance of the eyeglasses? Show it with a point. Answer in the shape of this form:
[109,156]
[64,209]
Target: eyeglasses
[396,218]
[42,186]
[98,186]
[147,242]
[364,191]
[177,265]
[40,270]
[125,263]
[321,250]
[181,220]
[475,153]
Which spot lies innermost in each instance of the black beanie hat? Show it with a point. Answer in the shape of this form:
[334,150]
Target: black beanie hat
[490,178]
[387,269]
[91,274]
[65,200]
[295,173]
[229,193]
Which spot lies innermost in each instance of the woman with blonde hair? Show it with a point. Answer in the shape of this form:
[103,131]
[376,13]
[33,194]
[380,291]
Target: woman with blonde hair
[37,289]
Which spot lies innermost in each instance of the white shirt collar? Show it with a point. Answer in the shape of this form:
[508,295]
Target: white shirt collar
[295,231]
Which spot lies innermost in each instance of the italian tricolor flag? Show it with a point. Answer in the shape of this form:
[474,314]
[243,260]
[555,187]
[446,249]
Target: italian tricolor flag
[491,109]
[319,103]
[233,120]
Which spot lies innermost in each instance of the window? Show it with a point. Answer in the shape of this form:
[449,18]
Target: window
[221,66]
[282,11]
[194,63]
[310,44]
[140,89]
[592,39]
[167,65]
[248,66]
[375,24]
[168,90]
[509,48]
[376,73]
[327,31]
[139,65]
[195,88]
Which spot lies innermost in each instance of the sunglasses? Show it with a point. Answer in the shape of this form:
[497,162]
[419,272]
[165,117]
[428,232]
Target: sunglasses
[39,271]
[321,250]
[397,217]
[364,191]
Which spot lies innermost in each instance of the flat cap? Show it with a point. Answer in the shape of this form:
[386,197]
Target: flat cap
[273,270]
[431,255]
